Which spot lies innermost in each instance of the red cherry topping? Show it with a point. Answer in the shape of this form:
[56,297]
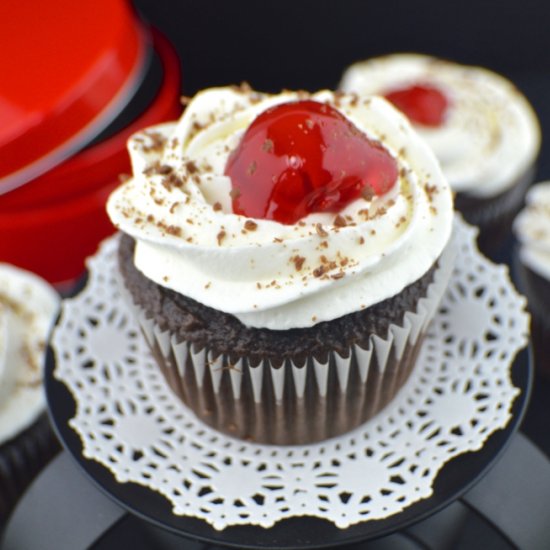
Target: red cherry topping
[423,104]
[303,157]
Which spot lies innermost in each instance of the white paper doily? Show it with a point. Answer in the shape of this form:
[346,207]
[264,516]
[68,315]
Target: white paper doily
[459,393]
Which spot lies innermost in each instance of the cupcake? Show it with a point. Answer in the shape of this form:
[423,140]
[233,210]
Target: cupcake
[532,265]
[28,306]
[482,129]
[283,255]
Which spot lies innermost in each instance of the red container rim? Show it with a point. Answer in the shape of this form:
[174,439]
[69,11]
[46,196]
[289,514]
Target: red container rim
[97,164]
[53,240]
[71,66]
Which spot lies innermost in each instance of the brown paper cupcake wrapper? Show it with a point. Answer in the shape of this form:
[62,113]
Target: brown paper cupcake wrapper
[494,215]
[485,211]
[295,403]
[537,292]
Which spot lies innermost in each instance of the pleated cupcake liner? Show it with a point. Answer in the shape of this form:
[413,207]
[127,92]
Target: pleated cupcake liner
[487,210]
[290,402]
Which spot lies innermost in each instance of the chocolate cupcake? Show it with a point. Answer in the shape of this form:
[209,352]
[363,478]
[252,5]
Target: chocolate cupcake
[532,266]
[28,306]
[482,129]
[284,255]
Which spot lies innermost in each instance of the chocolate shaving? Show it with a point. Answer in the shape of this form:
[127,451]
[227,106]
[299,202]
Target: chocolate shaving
[298,262]
[157,168]
[171,181]
[319,271]
[174,230]
[191,167]
[340,221]
[431,190]
[320,230]
[367,193]
[157,142]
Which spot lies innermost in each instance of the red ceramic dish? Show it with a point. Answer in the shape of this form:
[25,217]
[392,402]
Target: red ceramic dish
[53,238]
[69,69]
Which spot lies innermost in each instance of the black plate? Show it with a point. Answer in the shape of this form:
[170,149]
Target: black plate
[455,478]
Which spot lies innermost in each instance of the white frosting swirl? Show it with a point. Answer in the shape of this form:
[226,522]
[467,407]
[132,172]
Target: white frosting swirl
[490,135]
[532,229]
[265,273]
[27,310]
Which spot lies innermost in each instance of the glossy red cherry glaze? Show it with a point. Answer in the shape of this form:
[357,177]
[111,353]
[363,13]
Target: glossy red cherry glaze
[422,103]
[303,157]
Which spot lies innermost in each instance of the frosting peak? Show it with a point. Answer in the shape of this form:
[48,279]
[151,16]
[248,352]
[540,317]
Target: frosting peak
[178,207]
[489,135]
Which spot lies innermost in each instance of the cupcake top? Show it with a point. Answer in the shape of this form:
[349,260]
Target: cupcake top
[28,306]
[532,229]
[284,210]
[481,128]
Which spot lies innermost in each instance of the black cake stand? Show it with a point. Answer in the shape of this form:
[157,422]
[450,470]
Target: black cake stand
[507,481]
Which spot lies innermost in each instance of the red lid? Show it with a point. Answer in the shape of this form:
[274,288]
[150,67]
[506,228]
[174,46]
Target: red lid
[67,69]
[53,239]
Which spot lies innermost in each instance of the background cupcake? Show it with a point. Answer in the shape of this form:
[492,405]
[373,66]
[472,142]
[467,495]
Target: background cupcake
[28,306]
[481,128]
[285,254]
[532,229]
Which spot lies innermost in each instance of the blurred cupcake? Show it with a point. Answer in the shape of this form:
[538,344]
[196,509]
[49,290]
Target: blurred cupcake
[482,129]
[284,255]
[532,229]
[28,306]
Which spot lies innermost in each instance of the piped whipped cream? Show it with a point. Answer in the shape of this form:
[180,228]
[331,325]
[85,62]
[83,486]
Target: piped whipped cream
[532,229]
[490,136]
[177,206]
[28,306]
